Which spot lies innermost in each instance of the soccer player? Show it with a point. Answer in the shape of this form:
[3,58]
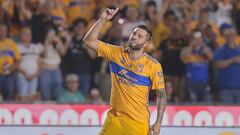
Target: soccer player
[133,74]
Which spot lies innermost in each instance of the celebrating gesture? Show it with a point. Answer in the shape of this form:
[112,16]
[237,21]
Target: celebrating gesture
[109,13]
[130,83]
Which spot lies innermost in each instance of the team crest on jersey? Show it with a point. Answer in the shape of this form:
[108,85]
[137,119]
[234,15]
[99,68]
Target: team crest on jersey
[140,68]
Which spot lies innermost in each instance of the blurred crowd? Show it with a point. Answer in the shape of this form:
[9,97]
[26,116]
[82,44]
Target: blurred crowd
[43,59]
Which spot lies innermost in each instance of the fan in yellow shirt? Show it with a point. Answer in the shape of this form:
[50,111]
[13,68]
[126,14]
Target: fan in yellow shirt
[9,58]
[9,53]
[80,9]
[133,74]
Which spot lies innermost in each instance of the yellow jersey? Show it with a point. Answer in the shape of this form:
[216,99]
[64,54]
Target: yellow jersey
[9,53]
[131,81]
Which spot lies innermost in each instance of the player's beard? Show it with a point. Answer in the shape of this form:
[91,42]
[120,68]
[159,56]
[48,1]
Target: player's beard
[135,46]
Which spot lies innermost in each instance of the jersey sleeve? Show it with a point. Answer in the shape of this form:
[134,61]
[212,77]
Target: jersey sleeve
[107,51]
[157,77]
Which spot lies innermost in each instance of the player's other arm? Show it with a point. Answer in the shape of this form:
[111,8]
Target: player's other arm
[161,105]
[91,38]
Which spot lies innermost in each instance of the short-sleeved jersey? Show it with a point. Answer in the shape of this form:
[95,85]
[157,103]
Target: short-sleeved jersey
[131,81]
[9,53]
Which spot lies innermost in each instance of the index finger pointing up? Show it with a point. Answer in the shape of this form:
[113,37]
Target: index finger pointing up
[115,11]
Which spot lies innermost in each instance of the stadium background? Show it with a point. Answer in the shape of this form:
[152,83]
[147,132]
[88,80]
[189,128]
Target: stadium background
[44,104]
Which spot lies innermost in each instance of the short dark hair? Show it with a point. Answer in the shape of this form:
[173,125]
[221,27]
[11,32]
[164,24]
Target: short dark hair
[144,27]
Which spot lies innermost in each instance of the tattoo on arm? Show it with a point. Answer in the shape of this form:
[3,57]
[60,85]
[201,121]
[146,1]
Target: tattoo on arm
[161,104]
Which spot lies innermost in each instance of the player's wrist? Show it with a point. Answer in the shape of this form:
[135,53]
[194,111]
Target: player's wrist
[158,121]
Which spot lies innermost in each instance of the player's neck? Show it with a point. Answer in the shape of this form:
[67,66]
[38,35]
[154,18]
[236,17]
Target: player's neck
[135,54]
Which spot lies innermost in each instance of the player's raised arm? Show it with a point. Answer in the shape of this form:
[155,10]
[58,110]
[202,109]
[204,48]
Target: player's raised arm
[91,38]
[161,105]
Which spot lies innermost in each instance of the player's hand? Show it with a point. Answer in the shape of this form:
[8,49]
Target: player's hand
[156,128]
[108,13]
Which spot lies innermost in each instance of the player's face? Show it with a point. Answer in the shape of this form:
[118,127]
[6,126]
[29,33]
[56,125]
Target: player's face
[138,39]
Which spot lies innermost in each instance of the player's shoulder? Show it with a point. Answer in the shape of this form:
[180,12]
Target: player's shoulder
[151,60]
[119,47]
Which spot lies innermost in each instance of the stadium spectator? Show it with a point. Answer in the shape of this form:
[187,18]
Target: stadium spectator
[80,9]
[227,63]
[171,98]
[51,77]
[132,19]
[71,94]
[16,19]
[236,16]
[9,59]
[40,20]
[29,67]
[224,12]
[207,28]
[210,36]
[4,16]
[78,58]
[95,98]
[197,56]
[150,14]
[150,19]
[165,19]
[58,14]
[168,54]
[118,3]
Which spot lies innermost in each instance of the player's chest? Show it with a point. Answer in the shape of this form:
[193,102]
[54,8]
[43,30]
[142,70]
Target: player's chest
[138,67]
